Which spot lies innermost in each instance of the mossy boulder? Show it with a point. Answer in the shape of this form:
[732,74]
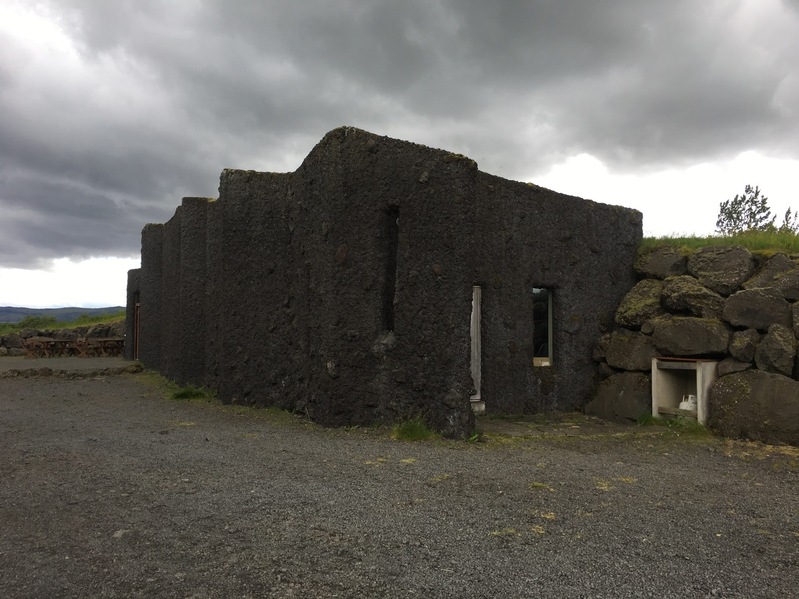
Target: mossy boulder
[757,309]
[755,405]
[743,345]
[795,318]
[780,272]
[623,397]
[690,336]
[731,365]
[630,350]
[12,341]
[722,268]
[686,294]
[662,262]
[641,303]
[777,351]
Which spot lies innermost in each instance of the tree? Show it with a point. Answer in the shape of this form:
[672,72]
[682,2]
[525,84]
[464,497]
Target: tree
[746,212]
[790,223]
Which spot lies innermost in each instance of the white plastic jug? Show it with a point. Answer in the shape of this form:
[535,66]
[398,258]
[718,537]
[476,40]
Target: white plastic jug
[688,402]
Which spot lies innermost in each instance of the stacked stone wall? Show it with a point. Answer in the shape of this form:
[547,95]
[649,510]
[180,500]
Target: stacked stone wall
[13,344]
[721,303]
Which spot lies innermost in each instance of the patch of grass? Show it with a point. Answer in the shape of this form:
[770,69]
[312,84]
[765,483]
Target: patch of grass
[542,418]
[272,414]
[782,458]
[87,319]
[412,430]
[501,416]
[540,485]
[603,485]
[756,241]
[688,426]
[189,392]
[504,532]
[628,480]
[50,323]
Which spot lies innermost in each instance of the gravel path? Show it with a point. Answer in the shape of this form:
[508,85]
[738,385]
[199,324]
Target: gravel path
[107,489]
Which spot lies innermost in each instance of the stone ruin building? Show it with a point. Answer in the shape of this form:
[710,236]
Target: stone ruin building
[383,280]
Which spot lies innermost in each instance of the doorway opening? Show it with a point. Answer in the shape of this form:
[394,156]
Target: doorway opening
[478,405]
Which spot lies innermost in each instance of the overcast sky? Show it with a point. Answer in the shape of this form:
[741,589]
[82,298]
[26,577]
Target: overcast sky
[112,111]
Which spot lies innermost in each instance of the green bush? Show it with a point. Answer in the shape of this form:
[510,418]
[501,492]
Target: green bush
[37,322]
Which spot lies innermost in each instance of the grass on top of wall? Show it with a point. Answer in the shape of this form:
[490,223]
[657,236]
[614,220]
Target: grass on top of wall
[767,242]
[50,323]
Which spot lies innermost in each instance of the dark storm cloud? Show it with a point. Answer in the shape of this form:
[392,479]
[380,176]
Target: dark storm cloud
[148,101]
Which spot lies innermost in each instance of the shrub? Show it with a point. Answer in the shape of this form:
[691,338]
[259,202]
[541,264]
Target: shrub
[37,322]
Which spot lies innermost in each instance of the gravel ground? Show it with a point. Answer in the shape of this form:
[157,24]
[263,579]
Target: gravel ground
[109,489]
[67,366]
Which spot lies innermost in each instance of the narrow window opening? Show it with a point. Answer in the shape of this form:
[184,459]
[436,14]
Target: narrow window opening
[391,237]
[542,326]
[136,324]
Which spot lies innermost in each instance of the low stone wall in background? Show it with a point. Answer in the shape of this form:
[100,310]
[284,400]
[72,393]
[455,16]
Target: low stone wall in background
[12,344]
[722,303]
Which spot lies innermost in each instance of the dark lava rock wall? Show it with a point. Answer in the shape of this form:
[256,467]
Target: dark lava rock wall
[343,290]
[149,341]
[527,236]
[190,366]
[171,312]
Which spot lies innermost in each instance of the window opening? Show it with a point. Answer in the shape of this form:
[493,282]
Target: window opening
[136,325]
[542,326]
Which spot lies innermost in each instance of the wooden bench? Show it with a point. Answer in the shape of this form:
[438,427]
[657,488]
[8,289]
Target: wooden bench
[96,347]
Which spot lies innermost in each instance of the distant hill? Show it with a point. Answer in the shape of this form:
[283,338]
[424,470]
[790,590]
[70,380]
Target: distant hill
[9,314]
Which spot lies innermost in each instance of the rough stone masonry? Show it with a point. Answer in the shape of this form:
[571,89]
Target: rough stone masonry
[344,290]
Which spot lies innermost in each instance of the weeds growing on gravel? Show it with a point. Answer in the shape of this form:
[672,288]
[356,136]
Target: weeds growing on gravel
[189,392]
[687,426]
[412,430]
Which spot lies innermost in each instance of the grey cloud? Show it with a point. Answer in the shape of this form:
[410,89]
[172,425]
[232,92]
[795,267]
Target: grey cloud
[162,96]
[55,219]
